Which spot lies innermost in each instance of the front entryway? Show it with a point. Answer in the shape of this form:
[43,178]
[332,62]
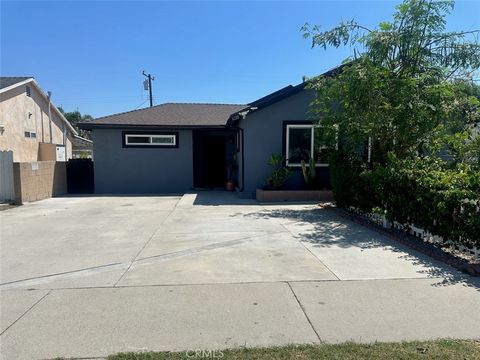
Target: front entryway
[212,154]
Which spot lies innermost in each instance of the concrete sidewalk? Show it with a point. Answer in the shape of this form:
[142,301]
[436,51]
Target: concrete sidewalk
[88,277]
[101,321]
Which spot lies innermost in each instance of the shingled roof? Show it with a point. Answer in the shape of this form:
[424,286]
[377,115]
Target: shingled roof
[7,81]
[170,115]
[195,114]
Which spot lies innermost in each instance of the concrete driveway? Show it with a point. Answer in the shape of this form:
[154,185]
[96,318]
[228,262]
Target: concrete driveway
[90,276]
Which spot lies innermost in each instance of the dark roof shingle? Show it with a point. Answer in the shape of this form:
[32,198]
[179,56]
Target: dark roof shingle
[6,81]
[170,114]
[194,114]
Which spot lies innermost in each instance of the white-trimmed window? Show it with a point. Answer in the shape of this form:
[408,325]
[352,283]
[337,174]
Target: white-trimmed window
[153,140]
[30,134]
[302,143]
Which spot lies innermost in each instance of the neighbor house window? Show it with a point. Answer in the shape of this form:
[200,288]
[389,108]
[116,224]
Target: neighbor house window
[28,91]
[150,140]
[302,143]
[30,134]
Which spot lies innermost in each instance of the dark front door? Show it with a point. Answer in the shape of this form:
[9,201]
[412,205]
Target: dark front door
[210,160]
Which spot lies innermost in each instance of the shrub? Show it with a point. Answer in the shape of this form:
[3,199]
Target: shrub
[343,176]
[423,192]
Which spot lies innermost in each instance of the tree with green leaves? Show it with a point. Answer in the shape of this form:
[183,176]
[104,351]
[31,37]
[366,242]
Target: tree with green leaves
[407,89]
[402,104]
[74,118]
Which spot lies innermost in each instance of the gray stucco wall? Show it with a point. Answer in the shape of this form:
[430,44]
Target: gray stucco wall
[264,136]
[141,170]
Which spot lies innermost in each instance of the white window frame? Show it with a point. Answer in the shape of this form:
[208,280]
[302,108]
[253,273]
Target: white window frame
[31,134]
[151,143]
[312,143]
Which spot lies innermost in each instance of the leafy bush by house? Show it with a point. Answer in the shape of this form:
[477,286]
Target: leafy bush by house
[344,173]
[422,191]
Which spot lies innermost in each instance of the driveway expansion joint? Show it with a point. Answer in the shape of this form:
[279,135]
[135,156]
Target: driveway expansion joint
[146,243]
[199,249]
[225,283]
[25,313]
[61,274]
[304,312]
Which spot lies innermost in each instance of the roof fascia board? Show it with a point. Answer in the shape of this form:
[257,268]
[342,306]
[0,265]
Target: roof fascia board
[82,139]
[294,90]
[13,86]
[290,90]
[42,93]
[87,126]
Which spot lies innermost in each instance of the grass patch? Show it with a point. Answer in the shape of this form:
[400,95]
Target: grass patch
[439,349]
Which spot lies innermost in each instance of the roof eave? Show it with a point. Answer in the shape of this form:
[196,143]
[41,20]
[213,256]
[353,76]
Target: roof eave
[288,91]
[260,104]
[90,126]
[82,139]
[13,86]
[42,93]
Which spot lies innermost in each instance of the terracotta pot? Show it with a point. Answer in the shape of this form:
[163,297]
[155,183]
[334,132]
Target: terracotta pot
[229,186]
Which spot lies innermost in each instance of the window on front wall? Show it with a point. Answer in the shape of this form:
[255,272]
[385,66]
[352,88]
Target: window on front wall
[151,140]
[302,143]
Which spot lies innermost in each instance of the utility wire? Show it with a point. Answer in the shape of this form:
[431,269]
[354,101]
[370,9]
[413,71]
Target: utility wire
[141,104]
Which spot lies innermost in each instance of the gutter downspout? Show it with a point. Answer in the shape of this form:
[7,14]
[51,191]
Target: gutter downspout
[242,115]
[50,115]
[43,127]
[64,139]
[243,161]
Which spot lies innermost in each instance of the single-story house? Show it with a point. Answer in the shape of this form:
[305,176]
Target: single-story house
[177,147]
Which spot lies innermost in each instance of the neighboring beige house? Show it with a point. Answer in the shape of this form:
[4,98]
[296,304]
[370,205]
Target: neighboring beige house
[30,125]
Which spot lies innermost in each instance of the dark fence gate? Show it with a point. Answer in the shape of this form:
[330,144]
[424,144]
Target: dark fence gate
[80,176]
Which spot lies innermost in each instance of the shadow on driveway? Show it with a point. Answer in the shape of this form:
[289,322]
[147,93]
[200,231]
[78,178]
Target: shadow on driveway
[217,198]
[323,228]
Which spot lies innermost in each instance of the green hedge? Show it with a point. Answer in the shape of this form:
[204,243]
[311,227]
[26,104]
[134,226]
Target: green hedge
[423,192]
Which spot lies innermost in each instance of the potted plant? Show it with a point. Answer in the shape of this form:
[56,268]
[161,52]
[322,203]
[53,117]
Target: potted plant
[280,173]
[230,184]
[275,190]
